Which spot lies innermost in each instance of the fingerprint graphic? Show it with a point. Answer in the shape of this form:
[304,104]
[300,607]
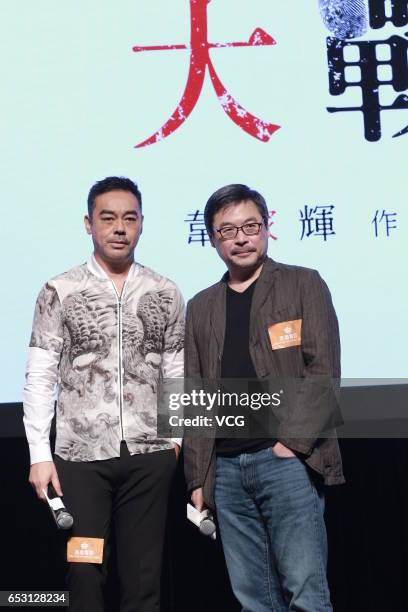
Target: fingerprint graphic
[345,18]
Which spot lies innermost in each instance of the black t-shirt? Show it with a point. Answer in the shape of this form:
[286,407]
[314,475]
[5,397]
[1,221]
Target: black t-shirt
[236,362]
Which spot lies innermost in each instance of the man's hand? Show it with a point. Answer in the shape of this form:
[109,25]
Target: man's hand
[176,449]
[198,499]
[41,474]
[280,450]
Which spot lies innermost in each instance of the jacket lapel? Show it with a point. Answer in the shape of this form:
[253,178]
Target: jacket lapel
[265,285]
[218,314]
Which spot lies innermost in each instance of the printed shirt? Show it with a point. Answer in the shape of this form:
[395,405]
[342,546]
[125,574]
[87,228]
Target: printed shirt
[105,354]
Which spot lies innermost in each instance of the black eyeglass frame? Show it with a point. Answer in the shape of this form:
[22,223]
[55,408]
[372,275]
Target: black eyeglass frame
[237,228]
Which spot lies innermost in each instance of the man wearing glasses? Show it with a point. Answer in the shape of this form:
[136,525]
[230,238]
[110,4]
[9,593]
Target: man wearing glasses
[266,320]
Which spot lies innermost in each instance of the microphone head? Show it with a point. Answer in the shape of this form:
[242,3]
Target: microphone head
[345,18]
[207,527]
[64,520]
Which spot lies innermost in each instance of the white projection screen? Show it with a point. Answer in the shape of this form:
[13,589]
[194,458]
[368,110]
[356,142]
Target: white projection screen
[305,104]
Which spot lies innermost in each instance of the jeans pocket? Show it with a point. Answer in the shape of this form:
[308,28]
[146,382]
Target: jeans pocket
[280,457]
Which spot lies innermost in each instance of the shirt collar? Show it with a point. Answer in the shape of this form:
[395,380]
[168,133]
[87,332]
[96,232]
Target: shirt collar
[96,269]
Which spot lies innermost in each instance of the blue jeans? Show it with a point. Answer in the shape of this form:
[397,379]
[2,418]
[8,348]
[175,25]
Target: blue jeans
[272,529]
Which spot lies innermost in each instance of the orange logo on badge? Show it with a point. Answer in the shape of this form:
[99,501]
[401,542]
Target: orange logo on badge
[85,550]
[285,334]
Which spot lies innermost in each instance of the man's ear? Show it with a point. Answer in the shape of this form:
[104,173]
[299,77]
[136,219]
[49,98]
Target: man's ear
[211,237]
[88,224]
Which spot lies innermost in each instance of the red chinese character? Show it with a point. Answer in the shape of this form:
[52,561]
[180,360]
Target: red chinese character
[272,213]
[199,60]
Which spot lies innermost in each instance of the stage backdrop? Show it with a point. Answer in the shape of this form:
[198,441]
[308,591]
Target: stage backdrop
[304,101]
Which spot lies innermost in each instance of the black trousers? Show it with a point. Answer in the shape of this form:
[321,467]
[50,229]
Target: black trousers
[130,494]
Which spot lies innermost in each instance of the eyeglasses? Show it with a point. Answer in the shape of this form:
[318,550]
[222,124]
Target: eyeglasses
[231,232]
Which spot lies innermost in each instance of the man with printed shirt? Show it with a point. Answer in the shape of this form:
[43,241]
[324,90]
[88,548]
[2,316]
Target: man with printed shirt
[265,320]
[104,333]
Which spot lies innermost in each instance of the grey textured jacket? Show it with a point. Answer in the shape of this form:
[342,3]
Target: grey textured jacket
[105,354]
[282,294]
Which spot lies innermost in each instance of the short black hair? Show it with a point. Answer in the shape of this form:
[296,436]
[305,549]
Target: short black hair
[230,195]
[112,183]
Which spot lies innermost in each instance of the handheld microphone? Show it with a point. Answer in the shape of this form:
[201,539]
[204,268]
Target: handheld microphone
[203,520]
[345,18]
[62,517]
